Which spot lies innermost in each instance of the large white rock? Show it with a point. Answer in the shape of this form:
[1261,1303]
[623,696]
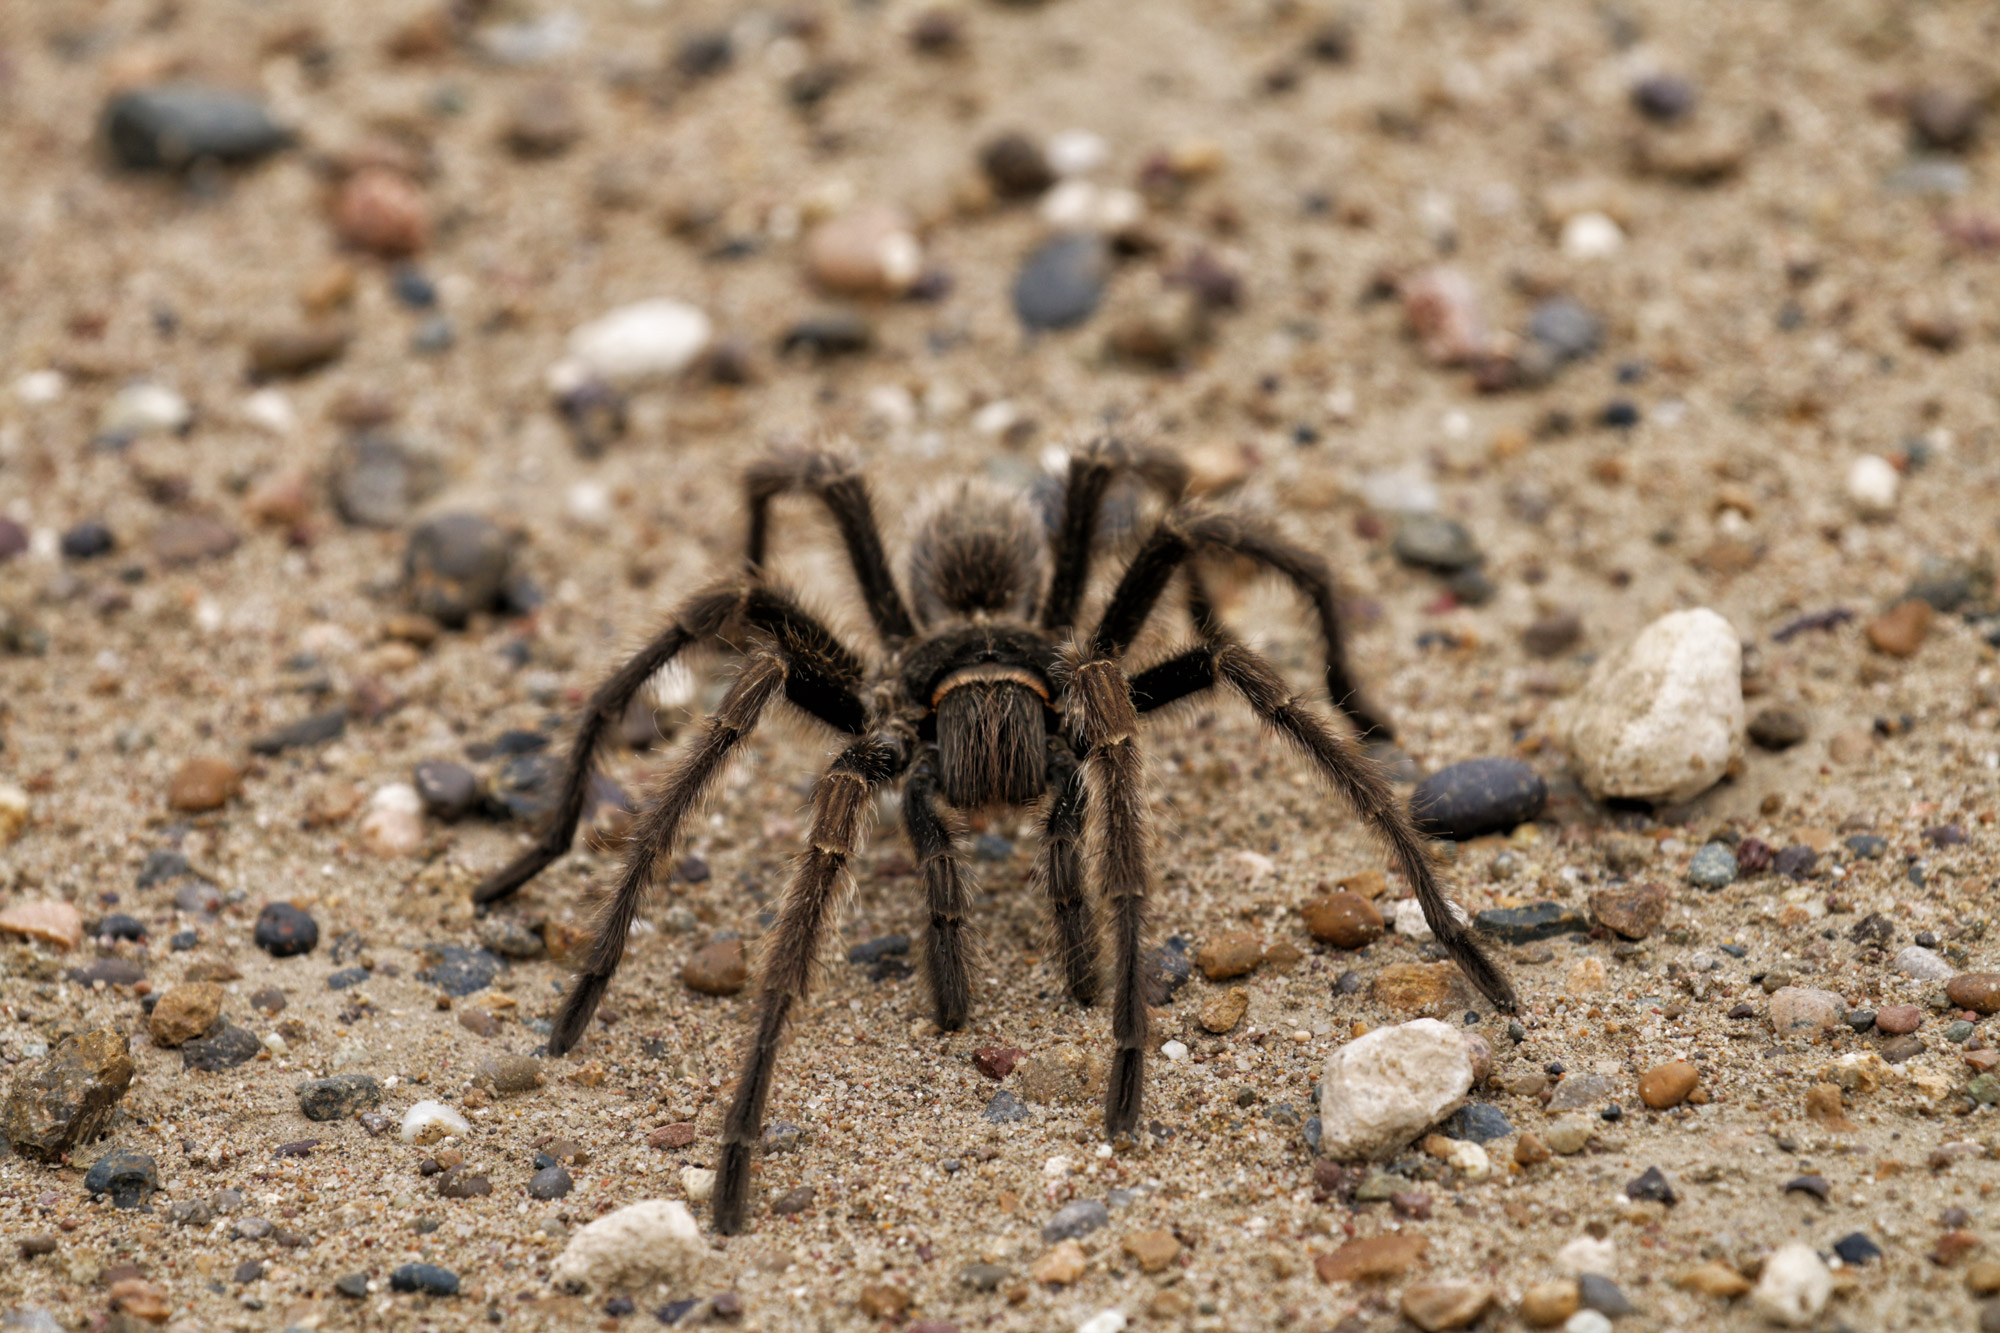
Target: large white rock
[1661,718]
[1382,1090]
[652,1241]
[634,344]
[1794,1287]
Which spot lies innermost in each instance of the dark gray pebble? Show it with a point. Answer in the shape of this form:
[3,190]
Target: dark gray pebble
[794,1201]
[172,126]
[353,1286]
[1598,1292]
[249,1271]
[128,1177]
[315,730]
[1078,1218]
[377,481]
[1664,97]
[991,847]
[1796,861]
[1481,1122]
[1477,797]
[877,949]
[427,1278]
[1855,1248]
[1061,283]
[1553,634]
[88,541]
[1434,542]
[1866,846]
[1813,1185]
[1861,1020]
[1651,1186]
[1172,968]
[1778,728]
[283,931]
[226,1049]
[1536,921]
[339,1097]
[348,978]
[455,565]
[163,864]
[829,334]
[113,971]
[1005,1108]
[13,538]
[551,1182]
[119,926]
[449,791]
[458,1183]
[461,971]
[982,1277]
[1016,166]
[1568,330]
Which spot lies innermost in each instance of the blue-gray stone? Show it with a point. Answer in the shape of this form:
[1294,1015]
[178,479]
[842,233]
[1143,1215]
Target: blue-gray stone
[1867,847]
[461,971]
[339,1097]
[1173,968]
[170,127]
[1598,1292]
[991,847]
[1062,282]
[1714,866]
[455,564]
[1536,921]
[1480,1122]
[1310,1131]
[874,951]
[227,1049]
[1434,542]
[427,1278]
[1078,1218]
[1005,1108]
[1568,330]
[551,1182]
[128,1177]
[1479,796]
[347,978]
[315,730]
[163,864]
[1855,1248]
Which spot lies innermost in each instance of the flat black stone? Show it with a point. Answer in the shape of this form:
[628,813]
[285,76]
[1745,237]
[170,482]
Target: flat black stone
[551,1182]
[111,971]
[836,333]
[1061,284]
[338,1097]
[172,126]
[1536,921]
[449,791]
[315,730]
[1651,1186]
[1598,1292]
[120,926]
[1813,1185]
[128,1177]
[1480,1122]
[227,1049]
[461,971]
[1478,797]
[283,931]
[876,950]
[1856,1248]
[1172,968]
[427,1278]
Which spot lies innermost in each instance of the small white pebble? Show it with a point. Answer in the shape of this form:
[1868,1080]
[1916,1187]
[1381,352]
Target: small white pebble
[274,1043]
[1471,1160]
[699,1182]
[1591,236]
[1077,152]
[1872,483]
[1587,1321]
[589,503]
[40,386]
[270,410]
[1301,1036]
[1410,920]
[1104,1321]
[996,418]
[1174,1050]
[1587,1254]
[427,1122]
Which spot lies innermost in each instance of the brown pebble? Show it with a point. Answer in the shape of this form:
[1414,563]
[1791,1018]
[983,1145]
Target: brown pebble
[1438,1306]
[185,1012]
[1824,1106]
[717,968]
[671,1137]
[189,539]
[872,251]
[1370,884]
[1900,630]
[1547,1304]
[1668,1085]
[282,498]
[543,121]
[382,211]
[1899,1019]
[1529,1150]
[1422,988]
[1953,1246]
[1061,1266]
[1982,1277]
[1634,913]
[50,920]
[884,1300]
[1225,1011]
[1977,991]
[1374,1257]
[509,1075]
[1230,954]
[997,1061]
[1714,1278]
[33,1247]
[297,349]
[483,1022]
[203,784]
[1152,1250]
[1345,920]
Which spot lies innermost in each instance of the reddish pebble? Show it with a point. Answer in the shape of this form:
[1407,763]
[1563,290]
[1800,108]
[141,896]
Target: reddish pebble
[1899,1019]
[671,1136]
[997,1061]
[382,211]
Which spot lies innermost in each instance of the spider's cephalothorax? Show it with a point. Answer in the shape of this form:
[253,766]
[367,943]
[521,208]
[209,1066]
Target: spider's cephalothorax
[984,694]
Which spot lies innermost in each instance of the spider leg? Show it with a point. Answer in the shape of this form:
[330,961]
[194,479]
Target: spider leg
[1224,660]
[1091,473]
[823,678]
[842,801]
[932,835]
[1186,531]
[1059,871]
[1120,844]
[834,480]
[657,833]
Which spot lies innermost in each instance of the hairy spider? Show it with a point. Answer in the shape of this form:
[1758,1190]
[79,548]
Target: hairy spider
[983,696]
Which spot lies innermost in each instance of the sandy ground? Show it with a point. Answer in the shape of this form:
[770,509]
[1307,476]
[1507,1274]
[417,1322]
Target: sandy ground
[1764,321]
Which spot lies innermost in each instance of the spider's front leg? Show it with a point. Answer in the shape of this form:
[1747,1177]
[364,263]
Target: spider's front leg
[1119,840]
[932,838]
[842,802]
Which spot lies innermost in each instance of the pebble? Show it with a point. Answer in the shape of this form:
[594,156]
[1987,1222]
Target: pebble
[377,481]
[508,937]
[1899,1049]
[1599,1292]
[1384,1256]
[1795,862]
[1899,1020]
[1547,1304]
[67,1096]
[1922,964]
[542,121]
[794,1201]
[203,784]
[1634,912]
[1016,166]
[1587,1321]
[394,824]
[1061,283]
[459,971]
[871,251]
[1477,797]
[1225,1011]
[1668,1085]
[1794,1288]
[1579,1090]
[13,539]
[1901,630]
[1566,329]
[428,1121]
[339,1097]
[1553,634]
[175,125]
[1479,1122]
[1872,483]
[1715,1278]
[1104,1321]
[1977,991]
[1434,542]
[1436,1306]
[1079,1218]
[634,345]
[1153,1251]
[1381,1090]
[318,729]
[1590,235]
[297,349]
[225,1049]
[448,791]
[129,1177]
[144,408]
[283,931]
[456,564]
[1777,728]
[1664,97]
[1569,1135]
[1658,720]
[458,1183]
[1713,867]
[88,541]
[429,1279]
[1443,311]
[185,1012]
[1231,954]
[655,1240]
[1945,119]
[382,211]
[1061,1266]
[1345,920]
[510,1075]
[1537,921]
[49,920]
[1856,1248]
[717,968]
[1804,1009]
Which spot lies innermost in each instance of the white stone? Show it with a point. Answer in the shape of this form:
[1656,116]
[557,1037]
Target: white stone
[394,824]
[1661,718]
[143,409]
[634,344]
[699,1182]
[427,1122]
[1872,483]
[1804,1009]
[1591,236]
[1401,491]
[40,386]
[1920,963]
[1104,1321]
[1587,1254]
[1587,1321]
[1174,1050]
[270,410]
[652,1241]
[1381,1090]
[589,503]
[1077,152]
[1471,1161]
[1409,919]
[1077,205]
[1794,1288]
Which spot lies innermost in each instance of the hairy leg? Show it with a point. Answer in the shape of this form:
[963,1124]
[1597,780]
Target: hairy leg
[841,804]
[1091,473]
[840,487]
[932,837]
[1059,872]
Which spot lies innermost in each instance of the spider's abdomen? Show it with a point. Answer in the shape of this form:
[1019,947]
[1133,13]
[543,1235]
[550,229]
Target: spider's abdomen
[992,741]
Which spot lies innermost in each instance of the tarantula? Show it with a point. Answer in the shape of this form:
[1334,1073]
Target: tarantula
[983,696]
